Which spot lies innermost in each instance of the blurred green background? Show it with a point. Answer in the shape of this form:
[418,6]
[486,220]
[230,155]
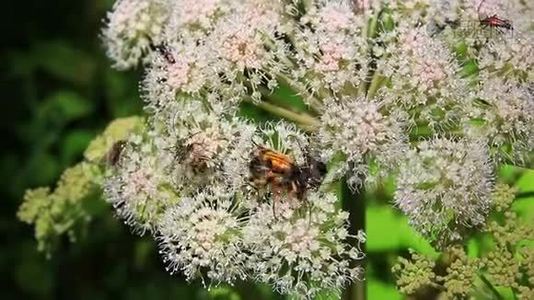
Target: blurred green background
[59,91]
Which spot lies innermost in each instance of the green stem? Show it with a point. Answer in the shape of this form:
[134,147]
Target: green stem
[491,287]
[370,32]
[354,203]
[304,120]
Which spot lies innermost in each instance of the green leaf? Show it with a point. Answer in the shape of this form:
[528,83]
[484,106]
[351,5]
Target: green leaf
[42,168]
[65,62]
[470,68]
[122,100]
[389,231]
[326,295]
[524,207]
[526,182]
[380,290]
[461,50]
[223,292]
[74,143]
[254,113]
[143,250]
[286,97]
[66,106]
[473,248]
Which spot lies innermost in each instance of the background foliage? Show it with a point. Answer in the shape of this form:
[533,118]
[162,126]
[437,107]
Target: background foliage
[59,93]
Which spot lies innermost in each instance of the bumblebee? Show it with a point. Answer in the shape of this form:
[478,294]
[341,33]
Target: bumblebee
[281,173]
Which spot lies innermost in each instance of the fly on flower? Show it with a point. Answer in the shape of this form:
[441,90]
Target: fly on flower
[197,151]
[164,51]
[281,173]
[114,153]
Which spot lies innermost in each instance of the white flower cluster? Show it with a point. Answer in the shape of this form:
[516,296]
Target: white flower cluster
[372,88]
[445,186]
[303,253]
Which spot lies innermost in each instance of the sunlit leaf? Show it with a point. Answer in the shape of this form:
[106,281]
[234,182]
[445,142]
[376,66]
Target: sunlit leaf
[526,182]
[389,231]
[380,290]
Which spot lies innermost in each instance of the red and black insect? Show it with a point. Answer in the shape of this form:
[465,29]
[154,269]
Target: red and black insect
[494,21]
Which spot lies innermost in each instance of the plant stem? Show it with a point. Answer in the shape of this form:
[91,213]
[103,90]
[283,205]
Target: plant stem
[354,203]
[304,120]
[491,287]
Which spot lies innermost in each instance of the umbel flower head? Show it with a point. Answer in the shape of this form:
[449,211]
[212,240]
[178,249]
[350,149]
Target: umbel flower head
[202,233]
[303,250]
[131,28]
[444,187]
[371,89]
[138,186]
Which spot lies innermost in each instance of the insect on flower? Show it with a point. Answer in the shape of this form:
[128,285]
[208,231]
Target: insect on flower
[164,51]
[280,172]
[197,151]
[114,153]
[494,21]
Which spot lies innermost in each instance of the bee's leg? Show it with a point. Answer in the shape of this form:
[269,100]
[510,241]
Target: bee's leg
[276,197]
[252,183]
[308,207]
[274,208]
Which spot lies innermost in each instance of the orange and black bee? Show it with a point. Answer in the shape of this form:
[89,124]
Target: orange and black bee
[280,172]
